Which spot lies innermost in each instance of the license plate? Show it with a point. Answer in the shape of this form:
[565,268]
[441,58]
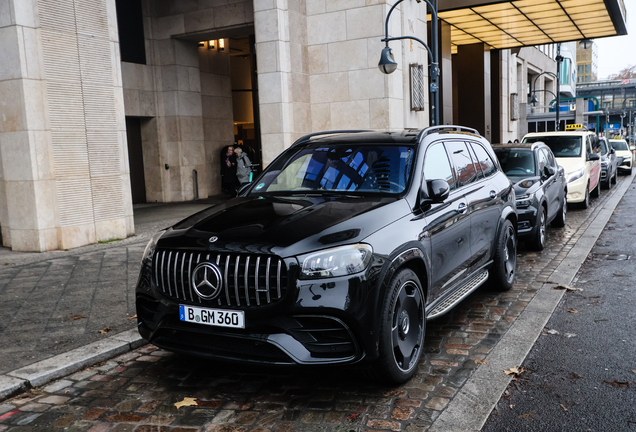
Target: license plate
[212,317]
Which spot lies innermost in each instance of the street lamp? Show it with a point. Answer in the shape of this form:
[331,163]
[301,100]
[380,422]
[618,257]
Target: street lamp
[388,64]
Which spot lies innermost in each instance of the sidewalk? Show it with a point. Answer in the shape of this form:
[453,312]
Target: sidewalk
[54,302]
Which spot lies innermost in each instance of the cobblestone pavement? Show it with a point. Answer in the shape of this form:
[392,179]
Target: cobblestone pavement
[137,391]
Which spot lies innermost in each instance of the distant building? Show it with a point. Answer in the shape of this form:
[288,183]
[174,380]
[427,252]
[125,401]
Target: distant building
[587,63]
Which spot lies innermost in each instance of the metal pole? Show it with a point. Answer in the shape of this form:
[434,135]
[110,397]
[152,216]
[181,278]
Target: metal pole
[435,67]
[558,88]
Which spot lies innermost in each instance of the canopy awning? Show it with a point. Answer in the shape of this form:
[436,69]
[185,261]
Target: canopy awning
[511,24]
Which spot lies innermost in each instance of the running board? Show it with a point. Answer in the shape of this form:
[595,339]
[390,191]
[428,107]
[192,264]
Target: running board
[459,295]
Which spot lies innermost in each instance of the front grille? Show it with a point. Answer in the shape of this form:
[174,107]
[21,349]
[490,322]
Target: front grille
[248,280]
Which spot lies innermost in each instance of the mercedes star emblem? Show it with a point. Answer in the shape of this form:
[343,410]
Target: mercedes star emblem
[213,239]
[207,280]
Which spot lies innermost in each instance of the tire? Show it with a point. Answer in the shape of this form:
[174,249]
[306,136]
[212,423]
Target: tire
[402,328]
[586,202]
[597,190]
[504,269]
[616,176]
[538,241]
[629,172]
[560,219]
[608,183]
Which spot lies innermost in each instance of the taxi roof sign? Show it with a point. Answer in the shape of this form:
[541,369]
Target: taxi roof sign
[574,126]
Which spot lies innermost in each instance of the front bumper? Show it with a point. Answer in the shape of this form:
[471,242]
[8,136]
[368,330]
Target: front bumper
[526,222]
[626,165]
[327,321]
[576,190]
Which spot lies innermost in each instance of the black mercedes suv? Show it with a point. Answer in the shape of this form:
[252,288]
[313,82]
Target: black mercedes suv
[338,253]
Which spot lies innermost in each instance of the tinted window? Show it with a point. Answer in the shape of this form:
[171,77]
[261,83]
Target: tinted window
[464,167]
[619,144]
[485,162]
[346,168]
[604,149]
[562,146]
[437,166]
[480,173]
[516,162]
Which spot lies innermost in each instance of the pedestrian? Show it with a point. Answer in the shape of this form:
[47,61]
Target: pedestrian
[228,172]
[243,167]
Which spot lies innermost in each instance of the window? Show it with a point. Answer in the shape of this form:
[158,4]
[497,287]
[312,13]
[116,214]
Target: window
[581,69]
[516,162]
[437,166]
[551,159]
[565,72]
[561,145]
[488,167]
[588,68]
[632,103]
[480,173]
[347,168]
[464,167]
[130,22]
[543,161]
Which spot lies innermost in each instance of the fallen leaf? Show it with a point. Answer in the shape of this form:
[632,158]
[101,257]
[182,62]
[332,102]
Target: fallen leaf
[76,317]
[105,330]
[573,311]
[132,317]
[514,370]
[564,408]
[634,370]
[552,332]
[186,402]
[574,375]
[481,362]
[525,416]
[567,288]
[511,406]
[617,383]
[570,335]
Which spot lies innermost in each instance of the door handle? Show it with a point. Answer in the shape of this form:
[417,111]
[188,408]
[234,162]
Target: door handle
[462,208]
[493,194]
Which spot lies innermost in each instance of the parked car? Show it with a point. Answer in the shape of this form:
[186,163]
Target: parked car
[337,253]
[578,153]
[609,163]
[623,151]
[540,187]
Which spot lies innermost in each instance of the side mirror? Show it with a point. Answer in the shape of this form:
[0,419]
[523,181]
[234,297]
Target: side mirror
[594,156]
[612,151]
[435,191]
[548,171]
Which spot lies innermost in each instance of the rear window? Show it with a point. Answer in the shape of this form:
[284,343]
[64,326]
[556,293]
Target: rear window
[562,146]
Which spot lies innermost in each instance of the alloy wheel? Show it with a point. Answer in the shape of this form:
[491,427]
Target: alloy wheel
[510,253]
[407,325]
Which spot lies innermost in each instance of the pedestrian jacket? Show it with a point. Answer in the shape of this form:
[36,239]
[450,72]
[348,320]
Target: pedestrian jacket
[243,168]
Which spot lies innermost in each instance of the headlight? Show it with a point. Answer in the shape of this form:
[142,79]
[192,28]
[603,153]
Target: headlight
[525,200]
[576,175]
[149,252]
[338,261]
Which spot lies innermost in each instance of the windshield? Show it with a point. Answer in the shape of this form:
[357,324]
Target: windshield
[619,144]
[562,146]
[515,162]
[343,168]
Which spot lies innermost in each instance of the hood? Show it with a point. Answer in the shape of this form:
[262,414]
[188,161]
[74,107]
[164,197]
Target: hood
[526,185]
[284,226]
[571,165]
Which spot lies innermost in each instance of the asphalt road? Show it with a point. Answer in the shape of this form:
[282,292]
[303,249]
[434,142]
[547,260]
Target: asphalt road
[583,378]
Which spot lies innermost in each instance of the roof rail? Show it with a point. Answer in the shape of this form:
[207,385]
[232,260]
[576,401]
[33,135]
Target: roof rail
[311,135]
[449,128]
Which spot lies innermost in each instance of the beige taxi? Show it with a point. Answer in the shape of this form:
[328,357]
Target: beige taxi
[578,152]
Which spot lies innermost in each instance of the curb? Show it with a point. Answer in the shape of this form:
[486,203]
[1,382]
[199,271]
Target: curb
[471,407]
[61,365]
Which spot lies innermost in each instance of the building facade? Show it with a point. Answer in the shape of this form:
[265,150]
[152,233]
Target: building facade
[587,63]
[107,103]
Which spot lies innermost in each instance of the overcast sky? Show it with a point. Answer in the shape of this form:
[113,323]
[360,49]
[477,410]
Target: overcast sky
[618,52]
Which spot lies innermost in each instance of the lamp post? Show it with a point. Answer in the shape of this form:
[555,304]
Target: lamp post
[534,99]
[388,64]
[559,59]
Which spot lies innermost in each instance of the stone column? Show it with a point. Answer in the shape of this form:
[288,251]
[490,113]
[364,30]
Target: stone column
[28,198]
